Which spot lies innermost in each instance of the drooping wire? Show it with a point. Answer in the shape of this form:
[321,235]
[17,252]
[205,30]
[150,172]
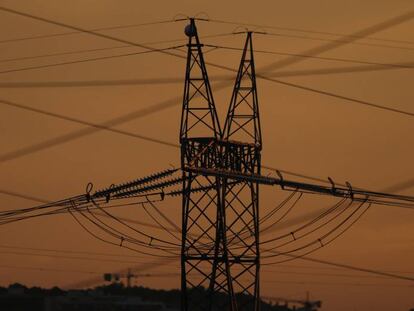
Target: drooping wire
[318,241]
[119,237]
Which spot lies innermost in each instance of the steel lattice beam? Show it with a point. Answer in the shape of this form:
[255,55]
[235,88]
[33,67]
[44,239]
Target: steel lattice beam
[222,273]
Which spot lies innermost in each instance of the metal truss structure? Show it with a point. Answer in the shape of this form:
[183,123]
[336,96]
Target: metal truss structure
[220,232]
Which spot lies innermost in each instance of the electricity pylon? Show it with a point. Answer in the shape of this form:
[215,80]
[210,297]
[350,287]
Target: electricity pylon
[220,232]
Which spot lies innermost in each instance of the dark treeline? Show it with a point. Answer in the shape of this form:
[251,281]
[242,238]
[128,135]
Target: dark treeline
[170,298]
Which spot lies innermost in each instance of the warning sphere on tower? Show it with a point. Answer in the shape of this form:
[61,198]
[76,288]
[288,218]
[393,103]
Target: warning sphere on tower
[190,30]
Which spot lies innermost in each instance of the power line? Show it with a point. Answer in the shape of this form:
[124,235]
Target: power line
[338,41]
[340,265]
[105,48]
[90,124]
[175,80]
[90,32]
[326,93]
[86,133]
[41,249]
[392,22]
[345,266]
[48,269]
[350,36]
[68,257]
[335,283]
[163,105]
[94,29]
[90,59]
[134,256]
[336,59]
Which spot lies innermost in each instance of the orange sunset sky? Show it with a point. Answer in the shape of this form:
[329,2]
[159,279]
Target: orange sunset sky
[303,132]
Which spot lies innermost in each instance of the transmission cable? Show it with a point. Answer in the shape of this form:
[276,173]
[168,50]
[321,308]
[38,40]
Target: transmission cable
[94,29]
[166,104]
[336,59]
[110,242]
[351,36]
[90,59]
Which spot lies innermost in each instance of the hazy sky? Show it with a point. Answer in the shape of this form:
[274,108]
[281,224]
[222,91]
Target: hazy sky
[303,132]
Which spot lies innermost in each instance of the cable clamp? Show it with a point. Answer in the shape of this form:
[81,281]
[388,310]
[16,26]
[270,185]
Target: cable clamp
[108,194]
[351,192]
[332,184]
[281,179]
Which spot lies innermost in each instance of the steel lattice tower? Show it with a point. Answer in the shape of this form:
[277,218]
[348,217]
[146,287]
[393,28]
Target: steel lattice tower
[220,234]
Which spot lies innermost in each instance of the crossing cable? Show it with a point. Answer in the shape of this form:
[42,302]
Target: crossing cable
[13,215]
[376,28]
[70,252]
[339,265]
[87,123]
[245,233]
[320,242]
[120,238]
[313,220]
[351,36]
[20,253]
[94,29]
[172,80]
[339,41]
[90,32]
[346,266]
[132,228]
[214,46]
[335,59]
[293,234]
[217,35]
[296,272]
[295,237]
[91,59]
[168,103]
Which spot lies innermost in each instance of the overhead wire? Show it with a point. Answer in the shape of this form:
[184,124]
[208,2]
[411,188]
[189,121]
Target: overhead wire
[338,41]
[335,59]
[320,239]
[93,29]
[64,251]
[75,120]
[130,227]
[125,46]
[176,80]
[343,35]
[296,268]
[166,104]
[89,59]
[384,25]
[120,238]
[348,267]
